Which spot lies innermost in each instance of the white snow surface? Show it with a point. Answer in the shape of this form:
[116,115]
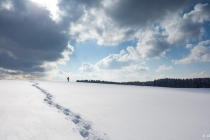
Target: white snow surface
[42,110]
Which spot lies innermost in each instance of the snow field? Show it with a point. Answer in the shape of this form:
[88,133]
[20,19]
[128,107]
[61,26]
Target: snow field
[61,110]
[133,112]
[83,126]
[25,116]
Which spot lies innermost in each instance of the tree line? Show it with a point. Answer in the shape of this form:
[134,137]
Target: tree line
[166,82]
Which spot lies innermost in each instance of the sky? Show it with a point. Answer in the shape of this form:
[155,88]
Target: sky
[112,40]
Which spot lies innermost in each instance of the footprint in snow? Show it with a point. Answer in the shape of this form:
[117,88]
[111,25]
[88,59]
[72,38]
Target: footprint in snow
[84,127]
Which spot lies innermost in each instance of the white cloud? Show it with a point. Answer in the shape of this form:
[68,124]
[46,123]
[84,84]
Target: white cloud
[109,23]
[189,46]
[87,67]
[112,74]
[153,44]
[51,6]
[68,51]
[163,68]
[57,75]
[200,14]
[201,74]
[113,61]
[95,24]
[182,29]
[8,5]
[98,24]
[135,68]
[199,53]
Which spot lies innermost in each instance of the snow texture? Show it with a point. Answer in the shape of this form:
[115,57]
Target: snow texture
[83,126]
[61,110]
[25,116]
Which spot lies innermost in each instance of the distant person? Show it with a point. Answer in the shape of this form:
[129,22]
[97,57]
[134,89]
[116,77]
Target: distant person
[68,79]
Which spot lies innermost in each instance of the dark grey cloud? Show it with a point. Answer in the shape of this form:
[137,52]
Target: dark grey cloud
[157,49]
[29,37]
[3,71]
[90,3]
[75,5]
[142,12]
[75,9]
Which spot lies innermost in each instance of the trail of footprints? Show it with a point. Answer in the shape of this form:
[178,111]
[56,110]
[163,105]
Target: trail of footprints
[83,126]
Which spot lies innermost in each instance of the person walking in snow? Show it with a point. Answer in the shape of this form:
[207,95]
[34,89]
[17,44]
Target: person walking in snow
[68,79]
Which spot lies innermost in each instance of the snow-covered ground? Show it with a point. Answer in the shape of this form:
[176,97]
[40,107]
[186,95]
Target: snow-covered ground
[62,111]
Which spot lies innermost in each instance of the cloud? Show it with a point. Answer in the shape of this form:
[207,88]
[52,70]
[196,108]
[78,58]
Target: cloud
[87,67]
[152,45]
[29,37]
[189,46]
[163,68]
[94,24]
[113,61]
[59,75]
[155,41]
[200,74]
[15,74]
[140,12]
[135,68]
[182,29]
[9,72]
[199,53]
[112,22]
[200,14]
[33,42]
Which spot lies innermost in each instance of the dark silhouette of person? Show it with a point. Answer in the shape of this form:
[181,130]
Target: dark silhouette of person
[68,79]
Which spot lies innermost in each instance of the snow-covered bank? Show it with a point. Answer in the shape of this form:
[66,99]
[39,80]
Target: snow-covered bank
[115,111]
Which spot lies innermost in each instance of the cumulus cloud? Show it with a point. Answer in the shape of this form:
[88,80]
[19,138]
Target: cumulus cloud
[113,61]
[32,41]
[109,23]
[140,12]
[155,41]
[87,67]
[152,45]
[199,53]
[94,24]
[29,37]
[112,22]
[200,13]
[181,29]
[189,46]
[163,68]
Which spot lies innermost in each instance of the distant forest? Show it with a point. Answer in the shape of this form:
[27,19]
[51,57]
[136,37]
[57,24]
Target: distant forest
[167,82]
